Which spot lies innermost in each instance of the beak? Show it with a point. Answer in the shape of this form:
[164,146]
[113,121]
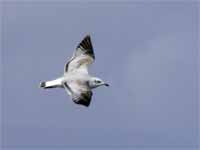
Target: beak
[106,84]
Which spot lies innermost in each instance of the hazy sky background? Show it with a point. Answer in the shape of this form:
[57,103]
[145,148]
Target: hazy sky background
[147,51]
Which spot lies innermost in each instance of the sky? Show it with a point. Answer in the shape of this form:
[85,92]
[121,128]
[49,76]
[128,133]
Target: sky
[146,51]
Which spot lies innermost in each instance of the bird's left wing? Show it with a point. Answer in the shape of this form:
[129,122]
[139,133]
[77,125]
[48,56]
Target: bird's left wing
[82,57]
[80,92]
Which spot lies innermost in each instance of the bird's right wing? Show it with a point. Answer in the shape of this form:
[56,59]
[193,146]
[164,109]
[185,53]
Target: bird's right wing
[82,57]
[80,92]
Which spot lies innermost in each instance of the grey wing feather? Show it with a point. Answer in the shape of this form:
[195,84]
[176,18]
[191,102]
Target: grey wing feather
[83,56]
[85,47]
[80,92]
[83,99]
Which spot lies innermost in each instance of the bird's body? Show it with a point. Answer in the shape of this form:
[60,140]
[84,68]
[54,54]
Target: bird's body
[76,79]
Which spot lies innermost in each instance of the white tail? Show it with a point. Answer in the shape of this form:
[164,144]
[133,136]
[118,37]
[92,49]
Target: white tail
[52,83]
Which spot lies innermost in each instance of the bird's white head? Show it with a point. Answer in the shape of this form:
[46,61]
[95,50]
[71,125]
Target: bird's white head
[96,82]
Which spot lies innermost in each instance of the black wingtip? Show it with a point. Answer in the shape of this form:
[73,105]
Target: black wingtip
[87,35]
[86,46]
[86,43]
[82,102]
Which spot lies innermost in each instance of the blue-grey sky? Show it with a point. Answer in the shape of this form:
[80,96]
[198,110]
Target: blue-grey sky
[147,51]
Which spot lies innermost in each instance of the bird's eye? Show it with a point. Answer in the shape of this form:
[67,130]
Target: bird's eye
[97,81]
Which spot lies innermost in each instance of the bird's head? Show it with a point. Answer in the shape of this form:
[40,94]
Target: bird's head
[96,82]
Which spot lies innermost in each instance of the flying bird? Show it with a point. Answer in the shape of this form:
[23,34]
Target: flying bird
[76,80]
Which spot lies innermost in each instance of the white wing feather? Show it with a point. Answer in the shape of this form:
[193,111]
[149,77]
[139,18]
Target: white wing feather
[82,57]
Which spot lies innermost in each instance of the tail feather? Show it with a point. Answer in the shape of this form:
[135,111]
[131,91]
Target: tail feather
[42,84]
[46,86]
[51,84]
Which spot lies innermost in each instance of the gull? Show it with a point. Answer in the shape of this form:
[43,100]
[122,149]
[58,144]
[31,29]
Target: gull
[76,79]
